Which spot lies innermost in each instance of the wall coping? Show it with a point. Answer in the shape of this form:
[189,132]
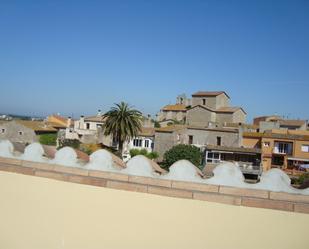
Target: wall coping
[172,188]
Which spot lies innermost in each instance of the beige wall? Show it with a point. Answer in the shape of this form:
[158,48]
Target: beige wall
[41,213]
[210,101]
[239,117]
[199,116]
[224,117]
[297,149]
[251,142]
[222,101]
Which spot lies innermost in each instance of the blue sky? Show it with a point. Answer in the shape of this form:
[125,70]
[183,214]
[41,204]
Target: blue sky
[79,56]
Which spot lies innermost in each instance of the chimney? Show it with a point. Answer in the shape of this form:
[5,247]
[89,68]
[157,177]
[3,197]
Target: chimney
[69,122]
[240,136]
[81,122]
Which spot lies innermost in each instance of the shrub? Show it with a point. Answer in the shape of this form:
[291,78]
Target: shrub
[74,143]
[134,152]
[143,152]
[153,155]
[48,139]
[301,179]
[183,151]
[150,155]
[157,124]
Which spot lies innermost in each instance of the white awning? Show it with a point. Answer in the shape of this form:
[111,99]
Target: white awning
[298,159]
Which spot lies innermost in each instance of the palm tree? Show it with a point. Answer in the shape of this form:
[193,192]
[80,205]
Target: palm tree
[123,123]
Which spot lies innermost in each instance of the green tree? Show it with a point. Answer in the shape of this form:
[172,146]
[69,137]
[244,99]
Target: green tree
[183,151]
[123,123]
[48,139]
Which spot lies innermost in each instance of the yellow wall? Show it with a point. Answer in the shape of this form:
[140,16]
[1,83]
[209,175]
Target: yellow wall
[251,142]
[298,153]
[38,213]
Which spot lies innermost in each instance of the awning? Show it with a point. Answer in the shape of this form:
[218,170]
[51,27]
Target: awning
[298,159]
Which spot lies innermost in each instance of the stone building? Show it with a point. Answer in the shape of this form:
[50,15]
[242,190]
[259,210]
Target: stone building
[24,131]
[167,137]
[213,107]
[285,149]
[204,108]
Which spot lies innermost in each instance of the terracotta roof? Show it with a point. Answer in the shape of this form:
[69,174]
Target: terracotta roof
[36,125]
[171,128]
[231,109]
[56,125]
[147,131]
[176,107]
[209,94]
[220,110]
[60,118]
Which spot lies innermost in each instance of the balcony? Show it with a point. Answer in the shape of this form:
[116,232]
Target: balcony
[283,148]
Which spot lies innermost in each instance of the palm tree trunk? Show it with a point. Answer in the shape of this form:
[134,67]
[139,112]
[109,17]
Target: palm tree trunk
[120,146]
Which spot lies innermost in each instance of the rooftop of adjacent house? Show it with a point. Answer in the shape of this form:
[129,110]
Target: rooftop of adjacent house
[95,118]
[171,128]
[280,134]
[234,149]
[176,107]
[292,122]
[147,132]
[236,125]
[230,109]
[209,94]
[37,126]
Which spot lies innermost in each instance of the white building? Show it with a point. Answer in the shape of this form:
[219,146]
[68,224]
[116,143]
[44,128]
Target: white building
[144,140]
[88,130]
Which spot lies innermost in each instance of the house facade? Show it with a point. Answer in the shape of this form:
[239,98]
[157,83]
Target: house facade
[168,137]
[144,140]
[285,149]
[89,130]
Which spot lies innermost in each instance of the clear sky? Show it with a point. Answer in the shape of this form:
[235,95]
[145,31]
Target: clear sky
[79,56]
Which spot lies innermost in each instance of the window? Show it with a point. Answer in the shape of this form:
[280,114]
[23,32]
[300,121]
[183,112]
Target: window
[213,157]
[87,126]
[266,144]
[137,142]
[204,101]
[20,133]
[146,143]
[283,148]
[305,148]
[219,141]
[190,139]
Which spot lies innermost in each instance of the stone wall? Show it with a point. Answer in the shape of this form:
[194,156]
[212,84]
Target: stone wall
[200,116]
[204,137]
[17,133]
[179,189]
